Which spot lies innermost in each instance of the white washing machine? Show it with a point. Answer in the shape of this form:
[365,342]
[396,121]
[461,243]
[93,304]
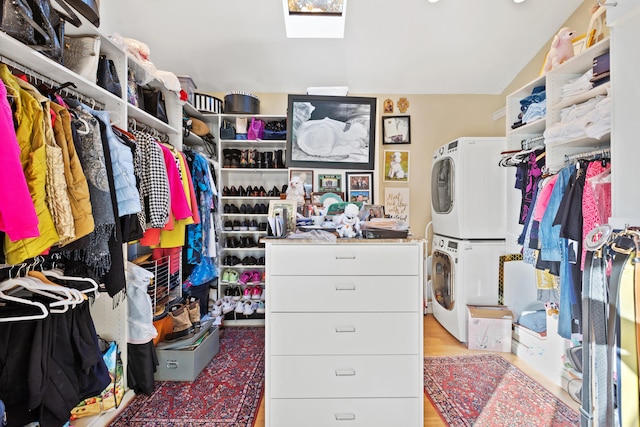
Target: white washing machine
[468,189]
[463,272]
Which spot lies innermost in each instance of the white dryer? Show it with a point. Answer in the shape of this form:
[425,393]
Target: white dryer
[463,272]
[468,189]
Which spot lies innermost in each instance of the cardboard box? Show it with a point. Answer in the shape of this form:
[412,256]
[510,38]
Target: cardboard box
[184,364]
[489,327]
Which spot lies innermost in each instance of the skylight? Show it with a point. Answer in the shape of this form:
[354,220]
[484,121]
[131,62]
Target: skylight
[314,18]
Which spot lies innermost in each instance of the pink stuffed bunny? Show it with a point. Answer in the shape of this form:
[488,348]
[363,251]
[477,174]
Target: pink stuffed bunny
[561,49]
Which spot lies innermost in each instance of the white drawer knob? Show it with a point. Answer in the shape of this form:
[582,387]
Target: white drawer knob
[345,417]
[345,372]
[346,257]
[343,329]
[345,287]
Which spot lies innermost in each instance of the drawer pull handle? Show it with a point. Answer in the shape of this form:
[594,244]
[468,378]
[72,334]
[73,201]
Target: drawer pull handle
[345,417]
[345,287]
[345,329]
[346,257]
[345,372]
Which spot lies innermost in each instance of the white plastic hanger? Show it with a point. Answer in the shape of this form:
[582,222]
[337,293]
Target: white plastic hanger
[43,310]
[57,274]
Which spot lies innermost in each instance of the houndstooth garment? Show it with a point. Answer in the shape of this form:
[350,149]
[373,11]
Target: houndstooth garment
[154,185]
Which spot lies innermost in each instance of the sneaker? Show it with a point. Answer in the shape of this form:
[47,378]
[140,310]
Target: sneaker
[225,276]
[245,277]
[256,292]
[240,306]
[228,306]
[255,277]
[228,226]
[261,308]
[232,277]
[216,310]
[250,308]
[263,295]
[248,293]
[237,293]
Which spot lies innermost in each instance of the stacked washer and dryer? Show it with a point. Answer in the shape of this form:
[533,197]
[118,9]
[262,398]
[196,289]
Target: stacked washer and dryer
[468,211]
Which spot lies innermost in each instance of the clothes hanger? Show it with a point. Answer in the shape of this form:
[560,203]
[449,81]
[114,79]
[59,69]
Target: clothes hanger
[60,298]
[43,312]
[92,284]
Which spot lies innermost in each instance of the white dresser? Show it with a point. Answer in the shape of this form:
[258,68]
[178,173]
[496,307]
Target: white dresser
[344,339]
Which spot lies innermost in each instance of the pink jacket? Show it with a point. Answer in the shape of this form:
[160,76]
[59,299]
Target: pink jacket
[17,214]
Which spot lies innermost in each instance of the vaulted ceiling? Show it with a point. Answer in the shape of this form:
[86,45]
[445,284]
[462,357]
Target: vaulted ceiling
[401,46]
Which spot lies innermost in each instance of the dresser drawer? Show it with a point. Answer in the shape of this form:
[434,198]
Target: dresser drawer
[343,259]
[345,412]
[343,293]
[344,376]
[344,333]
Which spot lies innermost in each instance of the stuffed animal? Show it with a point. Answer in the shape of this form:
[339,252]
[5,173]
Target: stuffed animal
[349,222]
[295,190]
[561,49]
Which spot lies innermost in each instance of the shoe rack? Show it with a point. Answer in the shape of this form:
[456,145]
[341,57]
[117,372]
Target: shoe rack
[252,172]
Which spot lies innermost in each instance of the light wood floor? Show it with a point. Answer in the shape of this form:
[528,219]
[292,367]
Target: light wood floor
[438,342]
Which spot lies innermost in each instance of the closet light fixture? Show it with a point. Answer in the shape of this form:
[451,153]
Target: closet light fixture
[324,21]
[433,1]
[518,1]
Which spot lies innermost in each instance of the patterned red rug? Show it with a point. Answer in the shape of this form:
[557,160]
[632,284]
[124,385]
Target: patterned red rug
[227,392]
[487,390]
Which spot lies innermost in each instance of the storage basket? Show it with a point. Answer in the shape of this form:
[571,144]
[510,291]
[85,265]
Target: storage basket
[241,103]
[207,103]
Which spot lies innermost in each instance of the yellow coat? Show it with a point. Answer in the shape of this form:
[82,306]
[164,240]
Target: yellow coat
[30,135]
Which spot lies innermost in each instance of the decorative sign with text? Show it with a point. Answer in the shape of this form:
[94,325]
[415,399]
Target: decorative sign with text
[396,203]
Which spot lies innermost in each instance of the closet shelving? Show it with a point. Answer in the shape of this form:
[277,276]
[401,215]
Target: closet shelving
[237,177]
[556,154]
[110,321]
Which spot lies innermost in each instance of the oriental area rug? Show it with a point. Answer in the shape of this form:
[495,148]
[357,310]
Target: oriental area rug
[227,392]
[487,390]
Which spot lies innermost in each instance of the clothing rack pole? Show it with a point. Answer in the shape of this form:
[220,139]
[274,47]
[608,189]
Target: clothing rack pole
[50,82]
[149,129]
[596,154]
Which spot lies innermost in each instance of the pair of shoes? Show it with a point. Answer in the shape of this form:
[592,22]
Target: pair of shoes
[246,307]
[230,276]
[186,320]
[250,276]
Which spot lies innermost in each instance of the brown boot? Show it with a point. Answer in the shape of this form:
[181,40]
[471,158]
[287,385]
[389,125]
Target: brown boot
[194,312]
[182,327]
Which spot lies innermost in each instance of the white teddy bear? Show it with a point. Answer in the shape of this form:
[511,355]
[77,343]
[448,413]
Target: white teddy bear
[295,190]
[349,222]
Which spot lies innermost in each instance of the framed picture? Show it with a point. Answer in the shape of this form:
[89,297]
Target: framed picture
[396,130]
[286,208]
[396,165]
[330,183]
[331,132]
[359,187]
[317,199]
[372,211]
[306,176]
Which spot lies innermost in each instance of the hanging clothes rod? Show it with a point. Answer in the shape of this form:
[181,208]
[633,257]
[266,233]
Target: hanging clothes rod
[529,143]
[595,154]
[134,125]
[62,88]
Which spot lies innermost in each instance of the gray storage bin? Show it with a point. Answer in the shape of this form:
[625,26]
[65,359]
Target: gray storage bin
[185,364]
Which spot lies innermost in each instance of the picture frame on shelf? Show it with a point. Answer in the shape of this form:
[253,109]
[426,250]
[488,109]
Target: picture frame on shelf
[396,165]
[396,130]
[316,196]
[370,211]
[359,187]
[306,176]
[331,132]
[285,208]
[330,182]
